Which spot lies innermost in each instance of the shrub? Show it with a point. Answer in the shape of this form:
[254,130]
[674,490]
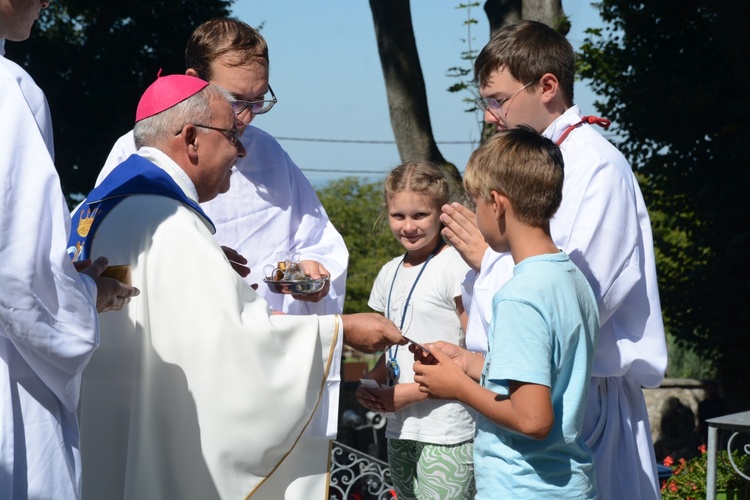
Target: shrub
[688,481]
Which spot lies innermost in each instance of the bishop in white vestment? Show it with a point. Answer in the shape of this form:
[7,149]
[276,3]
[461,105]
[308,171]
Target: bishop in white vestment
[198,391]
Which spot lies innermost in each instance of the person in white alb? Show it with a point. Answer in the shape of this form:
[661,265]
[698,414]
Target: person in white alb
[525,74]
[48,320]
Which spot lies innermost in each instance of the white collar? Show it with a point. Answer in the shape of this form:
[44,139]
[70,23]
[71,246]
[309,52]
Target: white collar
[161,160]
[556,128]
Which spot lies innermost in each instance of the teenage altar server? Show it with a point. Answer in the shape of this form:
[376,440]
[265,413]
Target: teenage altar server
[198,391]
[48,321]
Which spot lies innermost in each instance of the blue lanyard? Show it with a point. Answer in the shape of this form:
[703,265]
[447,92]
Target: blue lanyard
[393,364]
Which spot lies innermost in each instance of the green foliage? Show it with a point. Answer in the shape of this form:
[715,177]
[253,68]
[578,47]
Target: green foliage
[685,362]
[465,78]
[355,208]
[667,74]
[94,59]
[465,74]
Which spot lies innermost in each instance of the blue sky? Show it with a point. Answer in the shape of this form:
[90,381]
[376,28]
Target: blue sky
[325,71]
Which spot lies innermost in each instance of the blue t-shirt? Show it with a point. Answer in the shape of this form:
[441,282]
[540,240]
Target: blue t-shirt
[544,329]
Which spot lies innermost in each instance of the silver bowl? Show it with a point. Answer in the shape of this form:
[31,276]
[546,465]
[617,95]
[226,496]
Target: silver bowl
[296,287]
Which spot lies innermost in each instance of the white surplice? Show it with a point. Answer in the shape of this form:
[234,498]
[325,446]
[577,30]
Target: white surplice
[197,390]
[603,224]
[48,321]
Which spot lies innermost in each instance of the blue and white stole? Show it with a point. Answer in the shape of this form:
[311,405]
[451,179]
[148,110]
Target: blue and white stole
[136,175]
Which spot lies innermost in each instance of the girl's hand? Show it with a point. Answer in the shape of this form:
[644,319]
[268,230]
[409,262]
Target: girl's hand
[391,399]
[405,395]
[378,400]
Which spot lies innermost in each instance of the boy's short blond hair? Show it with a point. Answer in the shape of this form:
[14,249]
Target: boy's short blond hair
[522,165]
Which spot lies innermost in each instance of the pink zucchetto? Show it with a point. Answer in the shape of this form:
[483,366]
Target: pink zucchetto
[165,92]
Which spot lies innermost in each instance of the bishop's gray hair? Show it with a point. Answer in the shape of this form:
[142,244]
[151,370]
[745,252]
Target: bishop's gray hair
[155,129]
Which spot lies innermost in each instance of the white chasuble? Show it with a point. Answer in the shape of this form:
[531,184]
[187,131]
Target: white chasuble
[197,391]
[270,208]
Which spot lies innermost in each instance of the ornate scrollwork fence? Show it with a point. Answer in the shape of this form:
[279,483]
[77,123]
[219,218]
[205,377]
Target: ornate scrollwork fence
[742,449]
[736,423]
[356,475]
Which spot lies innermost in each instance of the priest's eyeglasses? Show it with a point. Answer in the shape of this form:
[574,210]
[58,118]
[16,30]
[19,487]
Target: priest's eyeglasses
[495,106]
[234,133]
[255,107]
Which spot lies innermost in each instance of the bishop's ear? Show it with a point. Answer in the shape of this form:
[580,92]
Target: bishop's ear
[188,136]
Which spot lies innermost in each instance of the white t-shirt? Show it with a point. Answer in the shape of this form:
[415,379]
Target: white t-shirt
[430,316]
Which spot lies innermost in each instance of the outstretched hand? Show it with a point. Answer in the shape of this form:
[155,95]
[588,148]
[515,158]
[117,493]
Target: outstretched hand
[111,295]
[462,232]
[370,332]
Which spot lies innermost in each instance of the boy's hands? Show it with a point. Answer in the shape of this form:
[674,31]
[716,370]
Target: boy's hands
[442,374]
[459,355]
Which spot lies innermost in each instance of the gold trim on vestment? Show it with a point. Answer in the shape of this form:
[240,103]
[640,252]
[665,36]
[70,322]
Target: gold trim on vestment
[336,327]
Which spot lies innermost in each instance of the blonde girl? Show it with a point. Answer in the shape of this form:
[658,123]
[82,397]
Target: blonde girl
[430,442]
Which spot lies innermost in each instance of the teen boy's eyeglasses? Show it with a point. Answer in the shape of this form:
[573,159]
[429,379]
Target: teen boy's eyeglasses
[234,133]
[255,107]
[495,106]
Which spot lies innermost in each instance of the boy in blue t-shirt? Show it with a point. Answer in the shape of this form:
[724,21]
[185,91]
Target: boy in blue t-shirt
[532,388]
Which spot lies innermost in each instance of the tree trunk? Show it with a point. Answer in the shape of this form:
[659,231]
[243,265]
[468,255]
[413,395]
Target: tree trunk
[404,83]
[504,12]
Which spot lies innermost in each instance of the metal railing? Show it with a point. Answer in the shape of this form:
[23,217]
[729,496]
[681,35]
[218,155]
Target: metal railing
[737,423]
[357,475]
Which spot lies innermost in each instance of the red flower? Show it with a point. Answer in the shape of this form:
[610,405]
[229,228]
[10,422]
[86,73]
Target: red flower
[668,461]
